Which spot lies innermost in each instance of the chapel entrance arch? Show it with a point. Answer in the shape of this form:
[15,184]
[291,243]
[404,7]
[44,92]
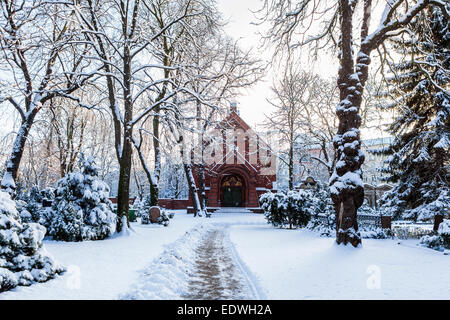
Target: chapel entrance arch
[233,190]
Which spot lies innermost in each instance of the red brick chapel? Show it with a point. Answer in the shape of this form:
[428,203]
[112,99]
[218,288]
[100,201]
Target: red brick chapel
[239,165]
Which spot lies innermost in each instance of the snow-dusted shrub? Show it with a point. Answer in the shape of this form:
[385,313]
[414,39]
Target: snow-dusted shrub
[82,209]
[292,209]
[323,218]
[163,218]
[270,204]
[24,214]
[7,280]
[23,259]
[31,206]
[67,222]
[372,232]
[441,240]
[137,205]
[144,210]
[432,241]
[444,232]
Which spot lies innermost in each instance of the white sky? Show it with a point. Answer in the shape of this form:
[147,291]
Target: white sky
[252,104]
[239,15]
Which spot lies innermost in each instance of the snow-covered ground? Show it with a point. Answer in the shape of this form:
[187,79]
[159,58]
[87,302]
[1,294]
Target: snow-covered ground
[300,265]
[104,269]
[163,263]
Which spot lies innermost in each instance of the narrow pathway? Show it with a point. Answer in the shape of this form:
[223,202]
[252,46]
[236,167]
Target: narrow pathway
[217,275]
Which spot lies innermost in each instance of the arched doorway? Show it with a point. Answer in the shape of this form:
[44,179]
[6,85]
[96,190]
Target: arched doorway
[232,191]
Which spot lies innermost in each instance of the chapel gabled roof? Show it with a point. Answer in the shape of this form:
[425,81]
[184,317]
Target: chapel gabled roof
[233,116]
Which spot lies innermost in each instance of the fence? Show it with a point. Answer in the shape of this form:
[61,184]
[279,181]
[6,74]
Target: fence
[377,221]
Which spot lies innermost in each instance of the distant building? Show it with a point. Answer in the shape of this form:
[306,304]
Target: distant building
[372,162]
[305,164]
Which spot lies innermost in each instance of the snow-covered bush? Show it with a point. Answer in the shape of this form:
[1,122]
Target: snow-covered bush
[23,259]
[137,205]
[144,210]
[323,219]
[432,241]
[270,204]
[31,206]
[163,218]
[440,241]
[24,214]
[82,209]
[292,209]
[444,232]
[373,232]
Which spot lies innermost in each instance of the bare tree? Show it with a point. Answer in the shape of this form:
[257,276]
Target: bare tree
[292,25]
[170,53]
[39,63]
[124,38]
[292,96]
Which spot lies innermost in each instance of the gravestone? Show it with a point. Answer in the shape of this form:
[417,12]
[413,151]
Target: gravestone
[155,213]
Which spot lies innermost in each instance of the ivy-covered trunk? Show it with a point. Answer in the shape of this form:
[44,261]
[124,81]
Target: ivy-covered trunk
[347,189]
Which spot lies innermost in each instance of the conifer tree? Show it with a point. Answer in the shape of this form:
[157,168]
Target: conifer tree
[23,259]
[418,157]
[82,209]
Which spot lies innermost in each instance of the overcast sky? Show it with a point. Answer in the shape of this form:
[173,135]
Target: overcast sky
[252,103]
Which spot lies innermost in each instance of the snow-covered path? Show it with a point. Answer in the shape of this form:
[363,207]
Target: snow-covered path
[217,273]
[202,264]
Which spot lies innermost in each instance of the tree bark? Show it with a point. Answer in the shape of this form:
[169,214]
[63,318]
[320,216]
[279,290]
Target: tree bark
[123,192]
[13,163]
[154,189]
[193,191]
[291,165]
[347,191]
[125,162]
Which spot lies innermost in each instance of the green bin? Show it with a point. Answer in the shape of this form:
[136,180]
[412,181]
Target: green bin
[132,215]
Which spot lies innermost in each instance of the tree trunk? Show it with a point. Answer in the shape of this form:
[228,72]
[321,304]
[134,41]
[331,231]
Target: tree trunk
[291,166]
[201,175]
[123,192]
[154,189]
[202,188]
[13,163]
[190,180]
[125,162]
[192,189]
[347,190]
